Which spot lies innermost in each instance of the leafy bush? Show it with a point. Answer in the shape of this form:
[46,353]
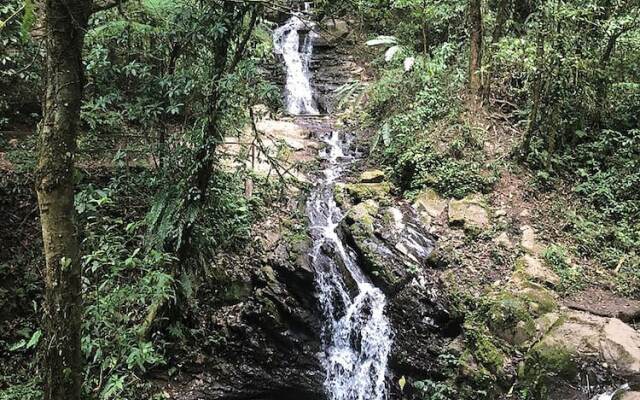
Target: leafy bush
[421,166]
[556,256]
[413,110]
[122,282]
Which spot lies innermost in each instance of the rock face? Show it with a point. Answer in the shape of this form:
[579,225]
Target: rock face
[394,251]
[331,68]
[264,332]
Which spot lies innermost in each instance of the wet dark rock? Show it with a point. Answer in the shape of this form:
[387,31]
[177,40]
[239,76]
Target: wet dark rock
[394,251]
[264,342]
[331,68]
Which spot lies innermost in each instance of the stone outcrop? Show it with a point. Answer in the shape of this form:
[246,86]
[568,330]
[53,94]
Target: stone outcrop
[394,251]
[580,338]
[470,212]
[264,330]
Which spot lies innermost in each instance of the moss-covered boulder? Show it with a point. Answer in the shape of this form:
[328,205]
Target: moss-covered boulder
[359,192]
[371,176]
[579,338]
[470,212]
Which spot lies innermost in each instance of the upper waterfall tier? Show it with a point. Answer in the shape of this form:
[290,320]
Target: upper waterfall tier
[286,39]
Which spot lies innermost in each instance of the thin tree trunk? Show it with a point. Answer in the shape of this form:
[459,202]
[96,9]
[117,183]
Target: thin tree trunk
[537,93]
[66,23]
[475,58]
[425,44]
[205,156]
[602,88]
[502,13]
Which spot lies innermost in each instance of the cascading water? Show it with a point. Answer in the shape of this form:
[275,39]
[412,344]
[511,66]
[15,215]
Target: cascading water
[286,41]
[357,335]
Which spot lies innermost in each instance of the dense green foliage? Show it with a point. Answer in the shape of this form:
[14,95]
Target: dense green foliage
[149,74]
[20,64]
[563,75]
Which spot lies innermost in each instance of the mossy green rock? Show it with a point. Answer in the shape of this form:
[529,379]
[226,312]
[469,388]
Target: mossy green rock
[470,212]
[552,359]
[360,192]
[361,216]
[510,318]
[372,176]
[359,225]
[578,337]
[484,349]
[339,195]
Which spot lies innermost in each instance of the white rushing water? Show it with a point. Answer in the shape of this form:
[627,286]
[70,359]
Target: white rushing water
[357,335]
[286,42]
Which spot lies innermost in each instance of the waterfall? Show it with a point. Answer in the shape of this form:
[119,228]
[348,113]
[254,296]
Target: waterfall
[286,41]
[357,335]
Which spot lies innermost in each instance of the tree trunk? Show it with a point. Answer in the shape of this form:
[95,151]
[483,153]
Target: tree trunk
[66,24]
[502,13]
[602,88]
[223,64]
[538,82]
[475,58]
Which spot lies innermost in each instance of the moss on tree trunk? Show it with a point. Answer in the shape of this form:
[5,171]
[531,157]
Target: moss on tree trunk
[66,24]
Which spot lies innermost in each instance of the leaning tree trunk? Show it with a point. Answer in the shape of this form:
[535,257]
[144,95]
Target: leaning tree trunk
[66,24]
[475,54]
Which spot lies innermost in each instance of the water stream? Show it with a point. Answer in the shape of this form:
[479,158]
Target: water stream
[357,335]
[286,42]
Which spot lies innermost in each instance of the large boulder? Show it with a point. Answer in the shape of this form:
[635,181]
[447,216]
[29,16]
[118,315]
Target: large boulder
[580,338]
[430,205]
[470,212]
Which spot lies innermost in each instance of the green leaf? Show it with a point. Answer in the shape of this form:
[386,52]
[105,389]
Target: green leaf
[18,345]
[28,19]
[33,342]
[402,382]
